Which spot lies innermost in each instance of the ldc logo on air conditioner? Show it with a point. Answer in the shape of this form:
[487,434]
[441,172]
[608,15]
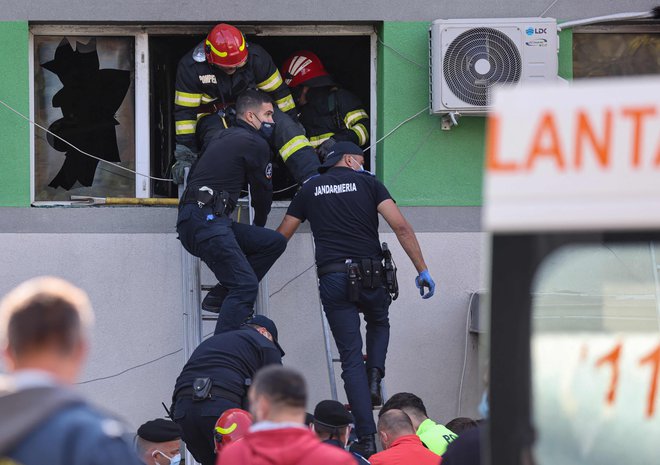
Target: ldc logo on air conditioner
[530,31]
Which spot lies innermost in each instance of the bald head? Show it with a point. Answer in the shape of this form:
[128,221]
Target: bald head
[392,425]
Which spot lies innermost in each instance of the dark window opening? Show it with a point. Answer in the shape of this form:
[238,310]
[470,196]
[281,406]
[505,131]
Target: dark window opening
[346,58]
[601,54]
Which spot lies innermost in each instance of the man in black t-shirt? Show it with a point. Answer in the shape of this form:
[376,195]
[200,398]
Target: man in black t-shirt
[342,205]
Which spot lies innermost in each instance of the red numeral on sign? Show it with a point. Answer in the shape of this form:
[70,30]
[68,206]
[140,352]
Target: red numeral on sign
[654,359]
[613,358]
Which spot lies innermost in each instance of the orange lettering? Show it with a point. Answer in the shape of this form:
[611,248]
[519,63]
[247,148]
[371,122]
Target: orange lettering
[654,359]
[547,129]
[493,162]
[585,131]
[637,115]
[612,358]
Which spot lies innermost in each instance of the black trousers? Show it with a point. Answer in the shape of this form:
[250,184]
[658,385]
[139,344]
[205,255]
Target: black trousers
[196,421]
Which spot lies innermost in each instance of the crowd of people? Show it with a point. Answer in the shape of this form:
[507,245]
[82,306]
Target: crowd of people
[44,330]
[234,402]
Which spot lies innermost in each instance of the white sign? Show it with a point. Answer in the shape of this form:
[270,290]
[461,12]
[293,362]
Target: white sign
[578,157]
[596,399]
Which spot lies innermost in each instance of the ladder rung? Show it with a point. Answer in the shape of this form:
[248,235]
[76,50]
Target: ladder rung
[209,317]
[207,287]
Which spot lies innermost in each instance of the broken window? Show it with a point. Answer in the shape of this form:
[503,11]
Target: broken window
[84,95]
[113,97]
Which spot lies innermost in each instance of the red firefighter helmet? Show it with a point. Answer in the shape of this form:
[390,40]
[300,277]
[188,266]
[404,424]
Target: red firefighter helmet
[232,425]
[225,46]
[304,67]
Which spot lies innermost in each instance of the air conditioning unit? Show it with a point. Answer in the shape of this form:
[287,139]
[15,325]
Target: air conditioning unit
[468,57]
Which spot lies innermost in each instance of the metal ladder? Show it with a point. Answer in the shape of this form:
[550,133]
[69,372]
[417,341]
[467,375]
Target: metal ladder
[192,288]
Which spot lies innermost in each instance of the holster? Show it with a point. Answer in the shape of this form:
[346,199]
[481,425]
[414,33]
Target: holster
[389,270]
[219,201]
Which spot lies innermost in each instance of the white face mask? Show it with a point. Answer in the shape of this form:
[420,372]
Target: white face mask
[361,166]
[176,460]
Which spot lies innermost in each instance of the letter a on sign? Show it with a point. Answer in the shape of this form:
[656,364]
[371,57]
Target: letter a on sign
[578,157]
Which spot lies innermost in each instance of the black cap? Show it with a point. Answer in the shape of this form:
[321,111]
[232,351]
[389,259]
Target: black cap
[159,430]
[339,150]
[265,322]
[332,413]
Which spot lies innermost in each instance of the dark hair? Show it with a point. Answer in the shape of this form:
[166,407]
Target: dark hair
[403,400]
[44,314]
[326,431]
[395,421]
[251,99]
[283,386]
[461,424]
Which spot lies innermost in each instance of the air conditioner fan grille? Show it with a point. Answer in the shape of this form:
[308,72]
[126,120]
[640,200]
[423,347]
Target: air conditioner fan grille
[476,60]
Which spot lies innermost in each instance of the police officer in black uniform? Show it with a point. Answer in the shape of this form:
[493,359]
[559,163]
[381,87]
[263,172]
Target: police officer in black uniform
[217,377]
[239,255]
[342,205]
[332,424]
[210,78]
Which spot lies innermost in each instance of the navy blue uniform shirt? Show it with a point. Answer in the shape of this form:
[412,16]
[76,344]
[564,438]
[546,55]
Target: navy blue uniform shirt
[342,208]
[236,156]
[229,359]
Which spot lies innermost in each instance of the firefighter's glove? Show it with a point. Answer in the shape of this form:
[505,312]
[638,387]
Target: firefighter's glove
[184,159]
[325,148]
[424,280]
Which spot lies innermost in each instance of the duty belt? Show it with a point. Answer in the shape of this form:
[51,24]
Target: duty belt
[216,392]
[370,271]
[220,202]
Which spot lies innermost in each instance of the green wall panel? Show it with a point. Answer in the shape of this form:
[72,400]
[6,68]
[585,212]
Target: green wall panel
[15,146]
[421,164]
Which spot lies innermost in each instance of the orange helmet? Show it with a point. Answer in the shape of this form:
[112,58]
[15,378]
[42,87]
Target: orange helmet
[304,67]
[225,46]
[232,425]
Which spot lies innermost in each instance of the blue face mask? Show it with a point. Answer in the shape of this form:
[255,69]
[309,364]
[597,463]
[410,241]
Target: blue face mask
[484,407]
[266,130]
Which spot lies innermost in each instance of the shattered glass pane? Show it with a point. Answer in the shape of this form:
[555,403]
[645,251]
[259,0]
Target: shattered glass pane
[84,94]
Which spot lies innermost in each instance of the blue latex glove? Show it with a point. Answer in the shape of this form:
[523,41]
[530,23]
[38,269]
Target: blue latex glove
[424,280]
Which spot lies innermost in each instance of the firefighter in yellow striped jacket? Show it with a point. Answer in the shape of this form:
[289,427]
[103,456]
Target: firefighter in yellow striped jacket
[328,112]
[210,78]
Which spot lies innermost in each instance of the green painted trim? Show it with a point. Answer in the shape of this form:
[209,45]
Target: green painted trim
[421,164]
[15,147]
[566,54]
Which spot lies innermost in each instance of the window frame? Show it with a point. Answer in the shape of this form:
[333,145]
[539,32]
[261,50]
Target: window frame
[141,36]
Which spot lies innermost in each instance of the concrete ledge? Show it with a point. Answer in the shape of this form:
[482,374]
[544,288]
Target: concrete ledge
[154,220]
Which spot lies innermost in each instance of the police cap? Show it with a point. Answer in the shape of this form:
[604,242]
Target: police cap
[265,322]
[159,430]
[337,151]
[332,413]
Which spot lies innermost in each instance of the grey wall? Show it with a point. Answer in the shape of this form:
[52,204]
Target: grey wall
[282,11]
[128,260]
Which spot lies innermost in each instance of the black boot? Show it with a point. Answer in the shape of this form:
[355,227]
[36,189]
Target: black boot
[213,300]
[374,376]
[365,446]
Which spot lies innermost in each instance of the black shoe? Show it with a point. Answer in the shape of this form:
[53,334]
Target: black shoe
[213,300]
[365,446]
[374,376]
